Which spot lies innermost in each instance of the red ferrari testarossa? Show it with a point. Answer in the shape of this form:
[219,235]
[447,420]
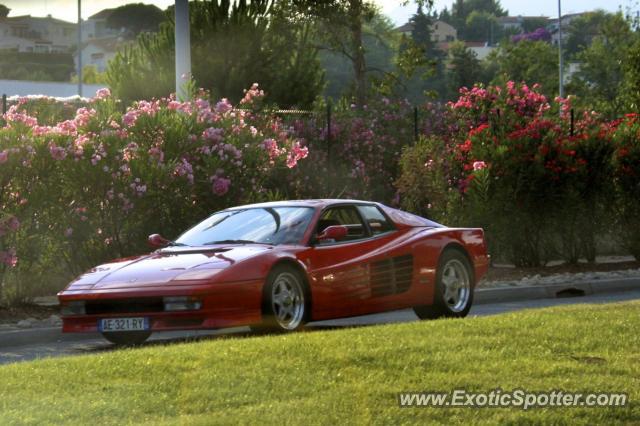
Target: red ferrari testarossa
[279,265]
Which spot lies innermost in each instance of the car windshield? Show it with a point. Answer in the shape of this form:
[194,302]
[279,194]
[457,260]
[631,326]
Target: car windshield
[269,225]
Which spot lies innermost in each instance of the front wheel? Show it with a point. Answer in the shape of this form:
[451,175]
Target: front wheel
[454,288]
[285,305]
[127,338]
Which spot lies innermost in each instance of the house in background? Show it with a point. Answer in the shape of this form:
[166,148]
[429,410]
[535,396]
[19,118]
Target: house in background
[440,31]
[96,27]
[553,27]
[34,34]
[98,52]
[482,49]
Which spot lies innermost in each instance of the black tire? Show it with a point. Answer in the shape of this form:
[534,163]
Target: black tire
[455,303]
[286,301]
[127,338]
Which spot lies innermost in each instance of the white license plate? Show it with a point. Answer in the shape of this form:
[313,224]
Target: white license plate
[123,324]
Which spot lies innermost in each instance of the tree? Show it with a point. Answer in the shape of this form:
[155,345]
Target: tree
[4,11]
[530,24]
[380,43]
[631,83]
[601,83]
[530,62]
[421,32]
[464,68]
[584,29]
[462,9]
[90,75]
[480,26]
[340,24]
[136,18]
[234,44]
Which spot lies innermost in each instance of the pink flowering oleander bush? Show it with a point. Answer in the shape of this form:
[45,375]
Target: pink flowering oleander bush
[362,156]
[514,168]
[92,187]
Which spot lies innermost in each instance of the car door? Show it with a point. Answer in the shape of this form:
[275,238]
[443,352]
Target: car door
[341,270]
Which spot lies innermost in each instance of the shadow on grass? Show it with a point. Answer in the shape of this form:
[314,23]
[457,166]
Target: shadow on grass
[231,334]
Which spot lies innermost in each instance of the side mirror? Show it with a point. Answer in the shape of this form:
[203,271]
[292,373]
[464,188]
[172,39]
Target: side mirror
[335,232]
[157,241]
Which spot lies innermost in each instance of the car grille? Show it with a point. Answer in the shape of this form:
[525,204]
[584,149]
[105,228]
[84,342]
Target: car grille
[391,276]
[124,306]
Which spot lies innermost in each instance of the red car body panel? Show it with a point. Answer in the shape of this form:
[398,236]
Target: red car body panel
[229,278]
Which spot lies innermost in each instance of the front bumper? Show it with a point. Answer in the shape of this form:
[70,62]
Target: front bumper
[223,305]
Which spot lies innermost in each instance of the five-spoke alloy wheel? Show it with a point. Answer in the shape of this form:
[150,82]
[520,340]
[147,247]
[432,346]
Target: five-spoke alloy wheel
[454,288]
[285,301]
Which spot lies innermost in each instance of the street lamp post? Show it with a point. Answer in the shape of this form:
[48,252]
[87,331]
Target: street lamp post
[183,48]
[560,49]
[79,49]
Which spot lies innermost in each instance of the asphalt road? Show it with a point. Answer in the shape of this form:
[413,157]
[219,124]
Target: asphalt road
[68,345]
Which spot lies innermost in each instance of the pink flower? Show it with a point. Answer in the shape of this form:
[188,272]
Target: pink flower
[220,185]
[130,118]
[297,153]
[13,223]
[103,93]
[213,134]
[271,146]
[479,165]
[4,156]
[68,232]
[252,93]
[9,258]
[83,116]
[155,152]
[184,168]
[57,152]
[223,106]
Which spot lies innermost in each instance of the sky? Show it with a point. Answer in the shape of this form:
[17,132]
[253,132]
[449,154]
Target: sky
[67,9]
[548,8]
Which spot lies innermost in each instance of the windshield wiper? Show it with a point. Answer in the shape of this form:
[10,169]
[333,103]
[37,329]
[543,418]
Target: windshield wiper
[233,242]
[176,244]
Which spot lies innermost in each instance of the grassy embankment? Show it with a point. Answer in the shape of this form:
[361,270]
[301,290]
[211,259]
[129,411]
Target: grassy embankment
[343,376]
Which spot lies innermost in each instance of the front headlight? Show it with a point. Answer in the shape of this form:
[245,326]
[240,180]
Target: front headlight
[75,307]
[181,303]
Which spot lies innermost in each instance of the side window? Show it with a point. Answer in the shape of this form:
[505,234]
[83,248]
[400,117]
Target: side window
[346,216]
[378,223]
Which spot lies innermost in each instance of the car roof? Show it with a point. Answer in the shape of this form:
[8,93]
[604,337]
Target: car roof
[315,203]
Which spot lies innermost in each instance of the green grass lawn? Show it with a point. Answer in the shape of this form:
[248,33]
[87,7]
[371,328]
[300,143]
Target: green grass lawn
[343,376]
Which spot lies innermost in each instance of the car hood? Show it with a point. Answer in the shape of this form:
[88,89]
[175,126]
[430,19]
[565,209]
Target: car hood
[164,266]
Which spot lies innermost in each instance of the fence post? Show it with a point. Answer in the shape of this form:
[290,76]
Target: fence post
[4,103]
[415,124]
[572,121]
[329,131]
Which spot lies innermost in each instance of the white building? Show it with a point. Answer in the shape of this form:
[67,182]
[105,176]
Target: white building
[566,20]
[98,52]
[33,34]
[441,32]
[96,26]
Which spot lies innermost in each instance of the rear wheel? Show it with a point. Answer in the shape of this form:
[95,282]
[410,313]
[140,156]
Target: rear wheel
[127,338]
[285,304]
[454,288]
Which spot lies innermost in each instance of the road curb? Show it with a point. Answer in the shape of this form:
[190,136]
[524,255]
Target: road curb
[553,291]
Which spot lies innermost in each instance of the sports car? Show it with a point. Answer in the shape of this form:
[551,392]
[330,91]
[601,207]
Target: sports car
[279,265]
